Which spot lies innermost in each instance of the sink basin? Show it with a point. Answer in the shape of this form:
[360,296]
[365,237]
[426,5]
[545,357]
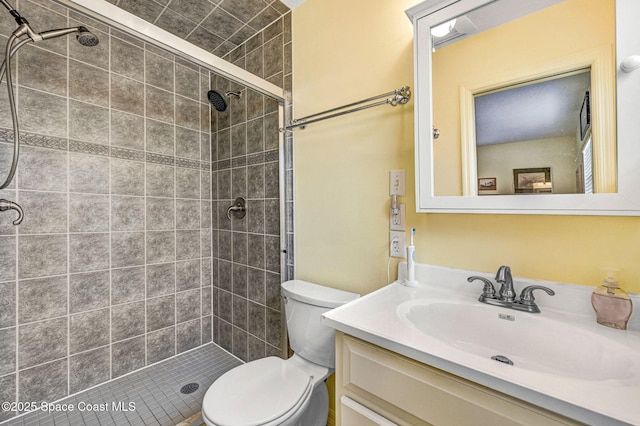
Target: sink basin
[563,361]
[531,341]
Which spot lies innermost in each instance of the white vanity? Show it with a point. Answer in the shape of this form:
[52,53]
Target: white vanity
[435,355]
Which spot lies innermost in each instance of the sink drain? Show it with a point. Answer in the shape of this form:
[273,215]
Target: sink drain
[189,388]
[503,359]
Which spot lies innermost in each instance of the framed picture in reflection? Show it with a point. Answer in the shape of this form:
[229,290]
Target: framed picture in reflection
[534,180]
[487,184]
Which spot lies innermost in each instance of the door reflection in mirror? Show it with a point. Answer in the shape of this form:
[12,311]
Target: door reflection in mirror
[533,125]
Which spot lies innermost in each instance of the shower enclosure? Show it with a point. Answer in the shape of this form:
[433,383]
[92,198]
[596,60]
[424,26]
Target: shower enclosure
[126,256]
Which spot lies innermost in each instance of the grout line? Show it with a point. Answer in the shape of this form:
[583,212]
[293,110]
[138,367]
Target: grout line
[146,198]
[110,195]
[175,220]
[68,230]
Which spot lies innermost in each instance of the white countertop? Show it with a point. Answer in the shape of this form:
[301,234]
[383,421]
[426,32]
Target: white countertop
[376,318]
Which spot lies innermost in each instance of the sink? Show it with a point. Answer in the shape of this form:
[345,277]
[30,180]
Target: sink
[563,360]
[530,341]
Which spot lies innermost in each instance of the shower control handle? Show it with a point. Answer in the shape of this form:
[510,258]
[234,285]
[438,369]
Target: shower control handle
[238,208]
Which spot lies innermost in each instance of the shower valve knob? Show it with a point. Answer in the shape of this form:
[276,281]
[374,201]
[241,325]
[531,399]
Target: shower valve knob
[238,208]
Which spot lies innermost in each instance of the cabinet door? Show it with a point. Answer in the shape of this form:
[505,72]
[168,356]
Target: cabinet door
[354,414]
[432,396]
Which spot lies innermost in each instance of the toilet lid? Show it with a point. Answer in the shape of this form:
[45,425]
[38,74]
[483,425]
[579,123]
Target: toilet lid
[255,393]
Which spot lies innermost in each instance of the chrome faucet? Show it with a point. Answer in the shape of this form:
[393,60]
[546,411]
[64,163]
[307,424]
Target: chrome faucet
[503,276]
[10,205]
[507,296]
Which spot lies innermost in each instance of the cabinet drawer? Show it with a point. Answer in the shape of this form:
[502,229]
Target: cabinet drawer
[430,394]
[354,414]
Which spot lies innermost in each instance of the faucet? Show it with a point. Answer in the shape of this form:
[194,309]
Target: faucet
[506,297]
[7,205]
[503,276]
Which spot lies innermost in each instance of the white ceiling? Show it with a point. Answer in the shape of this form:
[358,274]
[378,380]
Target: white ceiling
[490,16]
[292,3]
[543,110]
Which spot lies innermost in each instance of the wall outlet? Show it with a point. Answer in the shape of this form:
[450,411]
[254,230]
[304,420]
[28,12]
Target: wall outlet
[396,221]
[397,244]
[397,181]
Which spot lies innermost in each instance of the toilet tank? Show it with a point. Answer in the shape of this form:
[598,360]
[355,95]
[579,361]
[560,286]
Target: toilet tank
[304,304]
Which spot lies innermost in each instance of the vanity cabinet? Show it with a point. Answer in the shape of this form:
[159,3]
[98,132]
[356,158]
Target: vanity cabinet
[375,386]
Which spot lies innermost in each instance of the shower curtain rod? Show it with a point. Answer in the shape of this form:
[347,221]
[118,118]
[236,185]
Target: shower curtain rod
[399,96]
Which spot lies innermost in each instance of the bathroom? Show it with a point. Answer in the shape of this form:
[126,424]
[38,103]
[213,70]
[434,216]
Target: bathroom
[328,53]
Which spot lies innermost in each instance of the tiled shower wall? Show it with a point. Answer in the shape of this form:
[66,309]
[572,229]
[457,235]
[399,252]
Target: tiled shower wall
[247,309]
[111,268]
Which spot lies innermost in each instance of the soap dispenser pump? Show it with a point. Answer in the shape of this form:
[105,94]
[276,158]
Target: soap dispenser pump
[613,305]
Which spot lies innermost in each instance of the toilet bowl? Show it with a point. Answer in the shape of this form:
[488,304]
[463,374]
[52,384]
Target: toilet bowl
[272,391]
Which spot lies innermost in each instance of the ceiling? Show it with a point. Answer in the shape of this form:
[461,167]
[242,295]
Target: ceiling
[489,16]
[217,26]
[542,110]
[293,3]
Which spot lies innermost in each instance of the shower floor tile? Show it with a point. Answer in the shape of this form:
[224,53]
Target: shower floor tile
[155,392]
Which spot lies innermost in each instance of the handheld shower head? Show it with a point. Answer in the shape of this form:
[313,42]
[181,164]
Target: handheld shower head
[84,36]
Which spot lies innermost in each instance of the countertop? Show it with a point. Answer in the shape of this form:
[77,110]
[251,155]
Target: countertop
[376,318]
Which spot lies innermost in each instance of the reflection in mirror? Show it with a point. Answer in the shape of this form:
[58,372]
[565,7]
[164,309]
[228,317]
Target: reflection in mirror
[532,53]
[535,127]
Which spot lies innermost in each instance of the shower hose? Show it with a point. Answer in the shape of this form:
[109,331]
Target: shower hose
[10,50]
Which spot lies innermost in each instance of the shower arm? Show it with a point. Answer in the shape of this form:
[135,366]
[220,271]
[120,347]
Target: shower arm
[399,96]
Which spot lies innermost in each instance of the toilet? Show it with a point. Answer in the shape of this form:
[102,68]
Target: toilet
[272,391]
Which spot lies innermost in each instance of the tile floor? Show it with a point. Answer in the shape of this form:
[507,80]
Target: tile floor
[154,390]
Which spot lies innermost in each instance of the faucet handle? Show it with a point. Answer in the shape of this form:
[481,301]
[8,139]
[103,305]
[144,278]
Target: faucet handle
[488,291]
[526,297]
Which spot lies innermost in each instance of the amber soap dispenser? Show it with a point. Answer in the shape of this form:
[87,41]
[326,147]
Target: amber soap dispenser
[612,304]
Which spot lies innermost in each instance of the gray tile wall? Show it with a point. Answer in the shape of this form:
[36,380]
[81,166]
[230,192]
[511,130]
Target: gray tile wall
[247,313]
[124,235]
[111,269]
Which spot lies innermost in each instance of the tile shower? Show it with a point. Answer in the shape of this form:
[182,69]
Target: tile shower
[125,256]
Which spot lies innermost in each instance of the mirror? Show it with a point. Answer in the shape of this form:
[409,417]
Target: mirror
[487,51]
[534,138]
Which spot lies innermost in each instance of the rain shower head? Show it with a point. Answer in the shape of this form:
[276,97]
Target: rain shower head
[218,101]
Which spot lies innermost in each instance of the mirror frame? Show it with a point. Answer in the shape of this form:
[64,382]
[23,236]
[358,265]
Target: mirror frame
[625,202]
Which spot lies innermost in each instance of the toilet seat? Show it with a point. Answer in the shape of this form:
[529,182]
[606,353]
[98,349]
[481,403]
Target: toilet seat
[262,392]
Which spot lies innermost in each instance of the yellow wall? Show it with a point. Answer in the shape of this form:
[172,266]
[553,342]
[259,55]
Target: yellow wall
[346,50]
[350,50]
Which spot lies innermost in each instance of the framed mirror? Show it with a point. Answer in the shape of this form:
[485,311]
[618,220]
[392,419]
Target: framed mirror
[531,113]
